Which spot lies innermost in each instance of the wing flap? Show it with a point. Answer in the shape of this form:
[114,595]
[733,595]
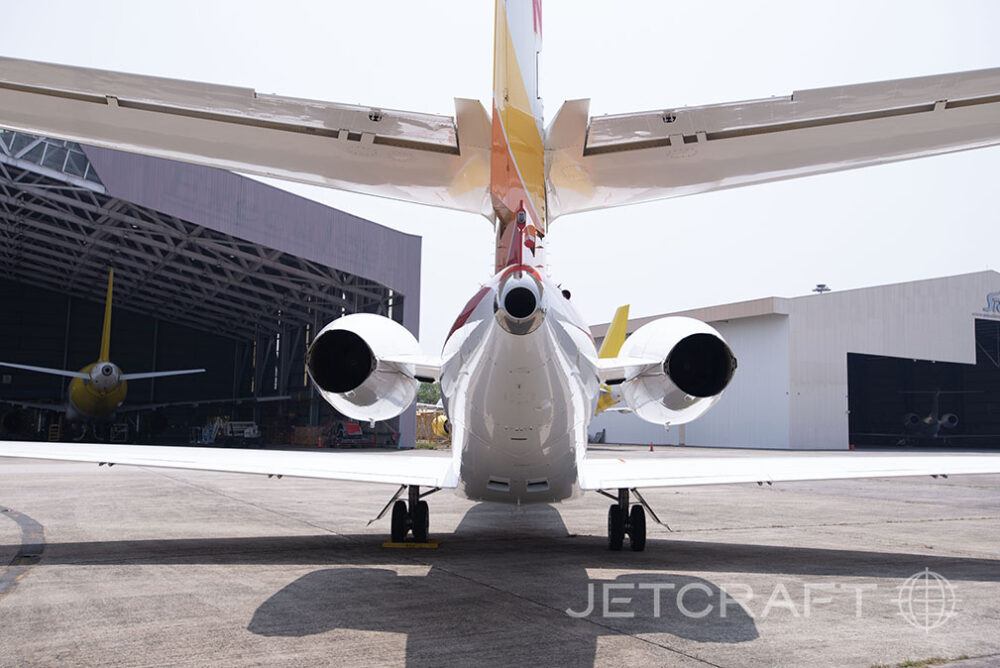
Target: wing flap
[631,158]
[685,471]
[403,155]
[391,468]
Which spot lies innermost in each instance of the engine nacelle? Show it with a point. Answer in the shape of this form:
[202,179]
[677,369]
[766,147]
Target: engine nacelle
[949,420]
[697,366]
[345,363]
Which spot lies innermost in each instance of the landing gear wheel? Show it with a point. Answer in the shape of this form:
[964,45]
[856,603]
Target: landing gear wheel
[399,517]
[637,529]
[421,521]
[616,528]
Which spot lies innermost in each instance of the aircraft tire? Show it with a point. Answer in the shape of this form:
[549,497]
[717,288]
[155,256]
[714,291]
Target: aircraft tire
[616,528]
[637,529]
[421,521]
[398,530]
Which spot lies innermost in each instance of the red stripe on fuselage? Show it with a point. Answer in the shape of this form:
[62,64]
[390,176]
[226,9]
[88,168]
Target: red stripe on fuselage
[463,317]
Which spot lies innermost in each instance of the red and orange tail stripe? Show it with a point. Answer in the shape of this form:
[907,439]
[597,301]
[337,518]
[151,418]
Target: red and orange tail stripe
[517,168]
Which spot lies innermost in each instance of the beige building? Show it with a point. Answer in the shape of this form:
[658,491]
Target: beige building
[829,370]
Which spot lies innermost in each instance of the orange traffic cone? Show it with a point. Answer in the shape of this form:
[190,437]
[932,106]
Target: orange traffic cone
[651,446]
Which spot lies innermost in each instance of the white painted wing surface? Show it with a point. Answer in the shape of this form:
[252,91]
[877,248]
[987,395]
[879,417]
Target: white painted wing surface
[397,469]
[605,161]
[684,471]
[424,158]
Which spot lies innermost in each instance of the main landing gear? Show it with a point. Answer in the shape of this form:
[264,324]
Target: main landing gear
[409,517]
[624,521]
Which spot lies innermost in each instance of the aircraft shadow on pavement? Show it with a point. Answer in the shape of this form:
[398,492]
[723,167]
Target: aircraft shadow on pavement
[506,575]
[513,602]
[495,534]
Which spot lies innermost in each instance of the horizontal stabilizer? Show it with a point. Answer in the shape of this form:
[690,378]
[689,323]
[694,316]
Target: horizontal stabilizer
[42,369]
[159,374]
[605,161]
[411,156]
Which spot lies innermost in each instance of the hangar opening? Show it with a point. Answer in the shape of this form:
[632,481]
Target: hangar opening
[211,269]
[894,401]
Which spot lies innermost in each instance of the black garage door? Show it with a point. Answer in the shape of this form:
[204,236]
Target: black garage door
[895,401]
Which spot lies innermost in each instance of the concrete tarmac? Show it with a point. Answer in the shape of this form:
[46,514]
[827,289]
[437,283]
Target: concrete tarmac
[133,567]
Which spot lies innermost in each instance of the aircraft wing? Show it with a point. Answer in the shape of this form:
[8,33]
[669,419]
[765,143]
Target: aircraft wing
[424,158]
[131,408]
[34,404]
[605,161]
[397,469]
[608,473]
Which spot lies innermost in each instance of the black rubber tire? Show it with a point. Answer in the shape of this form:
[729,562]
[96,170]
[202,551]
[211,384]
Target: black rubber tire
[421,522]
[398,530]
[637,529]
[616,528]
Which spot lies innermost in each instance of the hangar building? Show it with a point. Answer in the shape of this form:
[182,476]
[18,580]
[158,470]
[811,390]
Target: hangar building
[907,364]
[212,270]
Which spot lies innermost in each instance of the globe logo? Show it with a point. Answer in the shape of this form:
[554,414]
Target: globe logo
[927,600]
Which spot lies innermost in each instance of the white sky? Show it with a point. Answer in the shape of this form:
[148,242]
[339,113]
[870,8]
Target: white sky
[900,222]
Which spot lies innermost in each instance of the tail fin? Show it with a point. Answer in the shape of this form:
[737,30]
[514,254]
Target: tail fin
[615,336]
[613,340]
[106,330]
[517,169]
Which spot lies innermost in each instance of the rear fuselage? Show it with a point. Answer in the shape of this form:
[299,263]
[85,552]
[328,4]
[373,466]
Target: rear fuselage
[96,398]
[519,403]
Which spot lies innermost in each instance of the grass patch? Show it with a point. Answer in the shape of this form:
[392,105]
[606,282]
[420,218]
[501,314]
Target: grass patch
[426,445]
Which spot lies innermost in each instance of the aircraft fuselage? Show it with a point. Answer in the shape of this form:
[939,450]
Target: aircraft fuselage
[519,401]
[97,397]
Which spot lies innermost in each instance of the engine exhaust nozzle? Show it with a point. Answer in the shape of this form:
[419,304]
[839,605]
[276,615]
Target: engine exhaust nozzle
[519,304]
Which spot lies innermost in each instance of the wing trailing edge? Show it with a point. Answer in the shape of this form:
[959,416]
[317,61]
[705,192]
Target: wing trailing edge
[685,471]
[389,468]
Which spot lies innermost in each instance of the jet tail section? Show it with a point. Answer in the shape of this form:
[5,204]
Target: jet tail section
[612,344]
[517,163]
[106,329]
[615,336]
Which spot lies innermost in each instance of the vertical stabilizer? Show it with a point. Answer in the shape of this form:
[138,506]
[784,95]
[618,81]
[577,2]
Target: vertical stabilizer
[106,330]
[615,336]
[517,165]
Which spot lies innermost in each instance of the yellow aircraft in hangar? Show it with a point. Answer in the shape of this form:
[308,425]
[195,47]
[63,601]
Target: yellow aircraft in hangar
[99,389]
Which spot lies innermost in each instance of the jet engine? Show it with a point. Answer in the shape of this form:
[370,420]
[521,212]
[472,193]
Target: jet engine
[949,420]
[696,367]
[519,304]
[349,361]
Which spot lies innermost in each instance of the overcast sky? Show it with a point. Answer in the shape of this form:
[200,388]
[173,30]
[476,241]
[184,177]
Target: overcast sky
[900,222]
